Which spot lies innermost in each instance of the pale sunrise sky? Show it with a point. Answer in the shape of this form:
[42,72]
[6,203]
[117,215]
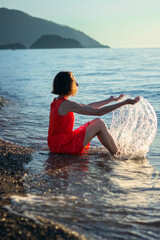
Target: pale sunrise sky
[117,23]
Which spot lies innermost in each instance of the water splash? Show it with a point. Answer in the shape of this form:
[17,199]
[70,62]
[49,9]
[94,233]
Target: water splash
[134,127]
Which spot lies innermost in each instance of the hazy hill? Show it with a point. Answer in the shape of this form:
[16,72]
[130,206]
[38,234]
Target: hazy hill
[12,46]
[17,26]
[54,41]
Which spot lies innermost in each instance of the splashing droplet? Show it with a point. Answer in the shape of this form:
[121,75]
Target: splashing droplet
[134,128]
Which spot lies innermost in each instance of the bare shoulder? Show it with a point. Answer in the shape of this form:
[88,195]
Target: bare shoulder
[67,106]
[68,103]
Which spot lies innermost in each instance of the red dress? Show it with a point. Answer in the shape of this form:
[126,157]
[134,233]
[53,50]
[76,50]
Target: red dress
[61,136]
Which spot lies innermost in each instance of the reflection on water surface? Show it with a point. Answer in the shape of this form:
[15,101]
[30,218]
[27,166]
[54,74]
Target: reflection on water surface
[95,194]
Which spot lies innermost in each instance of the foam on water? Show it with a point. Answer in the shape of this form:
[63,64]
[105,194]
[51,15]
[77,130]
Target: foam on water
[133,128]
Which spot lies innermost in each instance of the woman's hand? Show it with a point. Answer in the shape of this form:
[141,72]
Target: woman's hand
[132,101]
[114,98]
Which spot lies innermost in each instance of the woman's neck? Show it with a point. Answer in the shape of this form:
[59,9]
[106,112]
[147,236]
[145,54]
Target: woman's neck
[61,96]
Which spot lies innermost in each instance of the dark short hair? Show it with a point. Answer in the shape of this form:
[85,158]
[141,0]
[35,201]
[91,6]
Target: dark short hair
[64,84]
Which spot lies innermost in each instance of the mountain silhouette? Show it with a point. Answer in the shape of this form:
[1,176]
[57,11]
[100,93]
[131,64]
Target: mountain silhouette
[12,46]
[54,41]
[17,26]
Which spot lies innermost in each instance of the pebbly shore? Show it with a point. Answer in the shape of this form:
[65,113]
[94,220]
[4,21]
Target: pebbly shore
[12,159]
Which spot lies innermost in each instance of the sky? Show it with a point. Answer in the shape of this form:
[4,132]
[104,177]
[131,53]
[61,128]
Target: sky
[117,23]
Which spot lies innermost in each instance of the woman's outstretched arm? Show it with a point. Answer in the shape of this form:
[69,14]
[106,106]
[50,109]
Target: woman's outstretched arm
[104,102]
[69,106]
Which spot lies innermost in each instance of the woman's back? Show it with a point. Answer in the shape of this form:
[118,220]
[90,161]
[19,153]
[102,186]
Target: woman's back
[61,137]
[59,124]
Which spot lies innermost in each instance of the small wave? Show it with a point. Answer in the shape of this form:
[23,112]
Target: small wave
[102,152]
[57,228]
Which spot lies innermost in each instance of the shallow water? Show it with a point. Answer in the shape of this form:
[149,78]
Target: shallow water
[96,195]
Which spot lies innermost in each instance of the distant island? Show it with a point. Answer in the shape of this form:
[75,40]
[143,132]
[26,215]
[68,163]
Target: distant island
[12,46]
[19,27]
[55,41]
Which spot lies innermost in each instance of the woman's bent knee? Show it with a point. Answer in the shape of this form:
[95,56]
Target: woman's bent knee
[99,121]
[92,130]
[101,124]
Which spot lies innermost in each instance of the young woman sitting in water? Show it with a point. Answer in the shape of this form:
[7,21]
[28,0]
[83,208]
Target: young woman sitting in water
[61,136]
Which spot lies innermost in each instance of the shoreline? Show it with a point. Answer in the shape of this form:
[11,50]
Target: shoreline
[13,226]
[11,148]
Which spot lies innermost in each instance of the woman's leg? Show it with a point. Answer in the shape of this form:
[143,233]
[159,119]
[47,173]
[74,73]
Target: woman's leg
[98,128]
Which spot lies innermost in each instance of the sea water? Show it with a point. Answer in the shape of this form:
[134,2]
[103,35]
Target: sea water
[96,195]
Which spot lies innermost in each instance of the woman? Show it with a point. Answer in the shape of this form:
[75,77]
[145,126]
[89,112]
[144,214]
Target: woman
[61,136]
